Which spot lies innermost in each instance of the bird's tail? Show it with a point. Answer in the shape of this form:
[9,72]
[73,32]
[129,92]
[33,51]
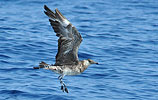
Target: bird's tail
[41,65]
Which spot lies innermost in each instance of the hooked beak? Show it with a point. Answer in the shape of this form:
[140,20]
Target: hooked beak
[95,63]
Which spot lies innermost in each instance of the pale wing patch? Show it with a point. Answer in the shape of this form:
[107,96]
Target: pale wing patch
[66,23]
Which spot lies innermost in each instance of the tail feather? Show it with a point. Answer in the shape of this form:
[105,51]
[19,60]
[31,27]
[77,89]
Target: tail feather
[41,65]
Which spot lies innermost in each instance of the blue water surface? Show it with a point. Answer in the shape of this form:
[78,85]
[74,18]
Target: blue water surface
[122,35]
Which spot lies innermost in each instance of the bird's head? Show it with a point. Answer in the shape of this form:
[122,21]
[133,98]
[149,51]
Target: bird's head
[88,62]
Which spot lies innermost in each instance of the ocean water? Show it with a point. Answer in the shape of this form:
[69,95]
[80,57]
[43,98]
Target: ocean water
[121,35]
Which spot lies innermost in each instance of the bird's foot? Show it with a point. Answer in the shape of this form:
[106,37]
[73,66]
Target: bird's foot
[64,89]
[63,86]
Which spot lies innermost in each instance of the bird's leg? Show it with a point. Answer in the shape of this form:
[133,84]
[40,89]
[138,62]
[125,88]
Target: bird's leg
[63,86]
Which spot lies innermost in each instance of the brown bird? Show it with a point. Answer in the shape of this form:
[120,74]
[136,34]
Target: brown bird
[67,62]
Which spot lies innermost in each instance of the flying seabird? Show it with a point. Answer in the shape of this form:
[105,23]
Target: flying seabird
[67,62]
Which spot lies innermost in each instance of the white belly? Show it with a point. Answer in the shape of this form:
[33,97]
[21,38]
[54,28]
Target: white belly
[68,71]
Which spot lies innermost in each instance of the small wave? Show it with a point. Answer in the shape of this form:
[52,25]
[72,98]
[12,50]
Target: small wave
[15,69]
[85,55]
[7,28]
[80,7]
[15,94]
[4,56]
[11,92]
[99,76]
[2,19]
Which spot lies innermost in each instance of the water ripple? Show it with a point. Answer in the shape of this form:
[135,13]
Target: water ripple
[121,35]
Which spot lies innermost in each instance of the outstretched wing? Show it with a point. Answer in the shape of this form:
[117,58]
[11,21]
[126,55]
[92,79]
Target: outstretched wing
[69,38]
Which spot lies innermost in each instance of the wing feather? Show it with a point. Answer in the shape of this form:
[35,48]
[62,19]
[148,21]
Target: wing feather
[69,38]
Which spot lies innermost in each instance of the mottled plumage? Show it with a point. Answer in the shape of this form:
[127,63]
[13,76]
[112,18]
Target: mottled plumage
[67,62]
